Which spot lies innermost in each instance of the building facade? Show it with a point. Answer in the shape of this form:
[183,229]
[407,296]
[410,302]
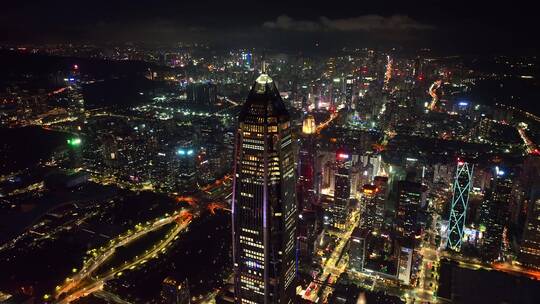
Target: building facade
[409,200]
[338,212]
[458,208]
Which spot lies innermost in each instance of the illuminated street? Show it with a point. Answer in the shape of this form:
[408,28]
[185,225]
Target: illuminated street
[87,281]
[332,267]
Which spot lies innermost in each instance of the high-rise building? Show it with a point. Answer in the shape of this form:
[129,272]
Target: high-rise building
[247,59]
[350,83]
[308,125]
[494,213]
[307,230]
[367,204]
[529,253]
[404,270]
[530,244]
[458,207]
[306,168]
[185,164]
[337,93]
[417,68]
[409,200]
[357,249]
[388,73]
[382,184]
[338,212]
[264,203]
[372,205]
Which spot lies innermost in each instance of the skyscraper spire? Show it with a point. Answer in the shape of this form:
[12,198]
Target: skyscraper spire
[263,69]
[264,65]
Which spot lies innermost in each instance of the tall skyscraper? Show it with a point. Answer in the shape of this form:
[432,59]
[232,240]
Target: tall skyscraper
[263,203]
[405,255]
[458,207]
[494,213]
[529,253]
[357,249]
[306,168]
[372,205]
[339,210]
[350,83]
[409,200]
[530,244]
[185,166]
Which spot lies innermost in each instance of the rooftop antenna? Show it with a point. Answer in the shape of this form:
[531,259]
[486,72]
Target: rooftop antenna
[264,66]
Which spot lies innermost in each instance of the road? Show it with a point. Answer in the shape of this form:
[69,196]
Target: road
[331,267]
[110,297]
[529,144]
[516,269]
[83,282]
[426,287]
[325,123]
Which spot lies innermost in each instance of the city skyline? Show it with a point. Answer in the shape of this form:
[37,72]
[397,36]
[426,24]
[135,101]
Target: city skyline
[173,152]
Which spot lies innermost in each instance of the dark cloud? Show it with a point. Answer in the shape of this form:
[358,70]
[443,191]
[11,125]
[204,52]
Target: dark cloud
[424,23]
[286,23]
[360,23]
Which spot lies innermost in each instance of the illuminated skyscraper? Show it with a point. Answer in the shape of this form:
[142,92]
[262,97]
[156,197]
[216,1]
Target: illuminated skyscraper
[306,168]
[529,253]
[373,207]
[388,73]
[263,203]
[185,164]
[530,243]
[458,207]
[308,125]
[409,200]
[338,212]
[494,213]
[357,249]
[350,82]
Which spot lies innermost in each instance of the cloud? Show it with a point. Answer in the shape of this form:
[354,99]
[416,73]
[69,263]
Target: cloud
[285,22]
[361,23]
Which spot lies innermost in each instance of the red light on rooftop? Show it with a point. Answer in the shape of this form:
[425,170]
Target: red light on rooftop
[343,156]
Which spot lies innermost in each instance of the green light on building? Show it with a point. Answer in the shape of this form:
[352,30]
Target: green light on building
[74,142]
[482,228]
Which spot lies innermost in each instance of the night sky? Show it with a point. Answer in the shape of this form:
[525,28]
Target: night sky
[444,25]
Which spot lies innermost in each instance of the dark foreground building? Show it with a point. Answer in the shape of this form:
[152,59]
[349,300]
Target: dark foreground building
[264,202]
